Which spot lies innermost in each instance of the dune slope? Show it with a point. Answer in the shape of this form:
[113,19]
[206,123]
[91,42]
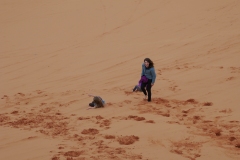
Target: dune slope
[53,53]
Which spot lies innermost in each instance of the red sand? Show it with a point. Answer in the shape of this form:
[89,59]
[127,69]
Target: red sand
[53,53]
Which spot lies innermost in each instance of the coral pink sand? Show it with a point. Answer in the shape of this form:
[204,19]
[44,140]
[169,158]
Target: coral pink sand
[53,53]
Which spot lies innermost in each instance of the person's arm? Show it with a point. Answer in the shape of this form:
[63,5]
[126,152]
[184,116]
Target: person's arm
[142,70]
[153,75]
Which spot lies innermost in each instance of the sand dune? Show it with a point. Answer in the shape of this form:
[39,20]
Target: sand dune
[53,53]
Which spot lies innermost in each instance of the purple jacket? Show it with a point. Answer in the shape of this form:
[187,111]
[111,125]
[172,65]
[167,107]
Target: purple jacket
[143,80]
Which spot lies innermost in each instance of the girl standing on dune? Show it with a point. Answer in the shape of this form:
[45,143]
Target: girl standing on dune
[149,72]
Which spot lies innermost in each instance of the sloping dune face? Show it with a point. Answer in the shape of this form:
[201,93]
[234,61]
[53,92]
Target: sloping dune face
[53,53]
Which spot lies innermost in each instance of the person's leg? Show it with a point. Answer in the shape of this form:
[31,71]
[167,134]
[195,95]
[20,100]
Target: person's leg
[135,88]
[149,86]
[139,88]
[143,88]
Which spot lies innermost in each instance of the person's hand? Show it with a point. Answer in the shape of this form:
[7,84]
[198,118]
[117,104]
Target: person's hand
[152,84]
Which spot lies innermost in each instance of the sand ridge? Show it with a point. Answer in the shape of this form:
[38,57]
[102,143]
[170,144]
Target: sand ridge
[53,54]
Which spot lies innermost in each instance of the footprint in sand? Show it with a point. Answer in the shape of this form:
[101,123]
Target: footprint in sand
[110,104]
[192,101]
[207,104]
[39,91]
[83,118]
[235,69]
[60,147]
[187,148]
[128,101]
[174,88]
[230,78]
[4,97]
[90,131]
[109,137]
[73,153]
[226,111]
[128,92]
[237,145]
[55,158]
[105,123]
[21,94]
[14,112]
[4,119]
[216,131]
[136,118]
[150,121]
[127,140]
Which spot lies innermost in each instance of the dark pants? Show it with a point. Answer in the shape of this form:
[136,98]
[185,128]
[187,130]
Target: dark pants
[149,86]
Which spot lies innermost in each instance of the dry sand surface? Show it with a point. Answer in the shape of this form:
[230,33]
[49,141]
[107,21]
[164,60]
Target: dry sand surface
[53,53]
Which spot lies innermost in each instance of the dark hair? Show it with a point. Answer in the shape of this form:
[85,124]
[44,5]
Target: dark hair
[151,64]
[98,102]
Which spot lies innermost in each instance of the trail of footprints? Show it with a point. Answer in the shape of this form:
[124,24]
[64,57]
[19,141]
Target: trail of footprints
[48,120]
[226,134]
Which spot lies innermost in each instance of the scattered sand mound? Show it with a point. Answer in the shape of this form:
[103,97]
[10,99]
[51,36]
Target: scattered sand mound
[90,131]
[73,153]
[127,140]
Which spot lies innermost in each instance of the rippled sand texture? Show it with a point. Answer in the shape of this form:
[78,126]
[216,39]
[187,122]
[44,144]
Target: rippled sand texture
[53,53]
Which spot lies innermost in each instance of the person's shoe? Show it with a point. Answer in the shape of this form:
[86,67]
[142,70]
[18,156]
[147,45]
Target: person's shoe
[91,104]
